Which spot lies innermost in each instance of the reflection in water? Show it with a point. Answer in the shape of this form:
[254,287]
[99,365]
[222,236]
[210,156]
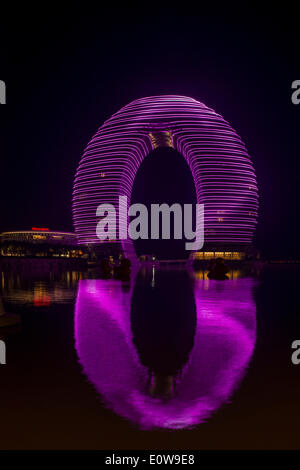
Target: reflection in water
[40,283]
[165,353]
[163,323]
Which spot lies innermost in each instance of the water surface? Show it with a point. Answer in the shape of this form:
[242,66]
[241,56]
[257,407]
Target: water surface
[164,360]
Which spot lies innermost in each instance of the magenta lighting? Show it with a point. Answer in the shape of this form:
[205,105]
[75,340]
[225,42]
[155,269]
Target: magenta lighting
[223,173]
[223,346]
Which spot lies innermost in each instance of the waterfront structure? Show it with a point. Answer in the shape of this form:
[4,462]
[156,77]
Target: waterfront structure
[222,170]
[40,242]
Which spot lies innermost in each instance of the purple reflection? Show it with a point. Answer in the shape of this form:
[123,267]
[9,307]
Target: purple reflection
[223,345]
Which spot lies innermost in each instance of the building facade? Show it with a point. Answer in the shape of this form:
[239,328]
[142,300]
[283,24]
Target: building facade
[40,243]
[224,177]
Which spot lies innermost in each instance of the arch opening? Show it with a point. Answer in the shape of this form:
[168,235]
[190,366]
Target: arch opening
[163,177]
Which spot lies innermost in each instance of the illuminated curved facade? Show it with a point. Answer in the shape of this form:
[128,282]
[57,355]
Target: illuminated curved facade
[223,173]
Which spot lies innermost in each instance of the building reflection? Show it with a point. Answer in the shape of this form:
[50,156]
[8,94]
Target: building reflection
[170,350]
[163,323]
[40,283]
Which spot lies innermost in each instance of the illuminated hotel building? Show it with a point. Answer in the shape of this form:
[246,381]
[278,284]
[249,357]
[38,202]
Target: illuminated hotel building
[223,173]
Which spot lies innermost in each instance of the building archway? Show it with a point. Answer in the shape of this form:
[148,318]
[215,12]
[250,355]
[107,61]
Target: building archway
[222,170]
[163,177]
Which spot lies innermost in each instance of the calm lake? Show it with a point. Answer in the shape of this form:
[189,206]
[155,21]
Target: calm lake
[167,359]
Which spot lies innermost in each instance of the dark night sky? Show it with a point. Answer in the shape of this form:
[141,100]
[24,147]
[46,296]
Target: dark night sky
[67,73]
